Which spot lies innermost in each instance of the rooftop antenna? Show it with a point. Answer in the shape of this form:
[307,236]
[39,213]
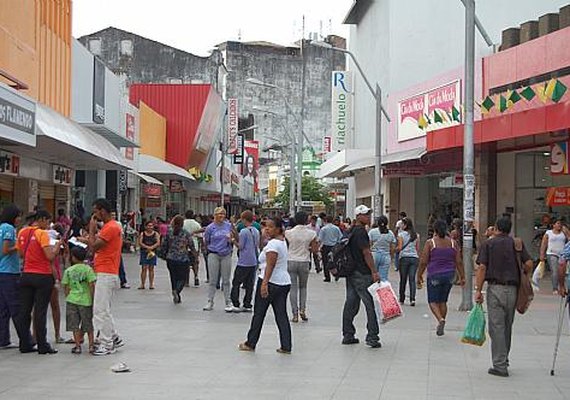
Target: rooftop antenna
[239,34]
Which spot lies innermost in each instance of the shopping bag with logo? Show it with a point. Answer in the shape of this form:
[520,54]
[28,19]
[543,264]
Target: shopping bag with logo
[385,300]
[474,332]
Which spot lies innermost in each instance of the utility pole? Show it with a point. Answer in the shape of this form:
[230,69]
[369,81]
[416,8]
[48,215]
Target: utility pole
[378,200]
[291,170]
[300,133]
[468,156]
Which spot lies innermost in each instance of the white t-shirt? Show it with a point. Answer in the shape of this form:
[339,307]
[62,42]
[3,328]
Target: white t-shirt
[556,243]
[280,276]
[300,238]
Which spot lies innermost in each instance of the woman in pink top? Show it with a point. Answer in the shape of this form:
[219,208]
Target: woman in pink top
[162,227]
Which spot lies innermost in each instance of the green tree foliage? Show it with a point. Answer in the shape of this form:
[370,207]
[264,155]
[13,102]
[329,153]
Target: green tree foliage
[312,190]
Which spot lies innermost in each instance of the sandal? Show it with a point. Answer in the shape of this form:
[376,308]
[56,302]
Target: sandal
[76,350]
[295,318]
[91,349]
[303,316]
[140,288]
[283,351]
[151,288]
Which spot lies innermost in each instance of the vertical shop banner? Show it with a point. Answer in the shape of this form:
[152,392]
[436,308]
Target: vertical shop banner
[238,155]
[250,166]
[98,91]
[327,144]
[341,104]
[435,109]
[559,159]
[9,164]
[130,134]
[123,187]
[233,119]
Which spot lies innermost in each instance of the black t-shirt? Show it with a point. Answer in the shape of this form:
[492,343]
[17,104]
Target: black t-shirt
[359,241]
[499,256]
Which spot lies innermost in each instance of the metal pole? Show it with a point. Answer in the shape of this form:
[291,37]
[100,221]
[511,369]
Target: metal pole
[468,157]
[482,30]
[222,168]
[292,180]
[300,133]
[378,155]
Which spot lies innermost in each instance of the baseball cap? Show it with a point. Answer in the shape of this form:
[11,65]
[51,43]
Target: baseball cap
[361,209]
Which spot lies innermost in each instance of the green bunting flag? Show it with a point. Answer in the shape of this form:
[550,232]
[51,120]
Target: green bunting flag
[555,90]
[487,104]
[455,114]
[436,117]
[513,98]
[528,93]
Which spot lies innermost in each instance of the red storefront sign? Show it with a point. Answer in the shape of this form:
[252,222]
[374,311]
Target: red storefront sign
[558,196]
[152,190]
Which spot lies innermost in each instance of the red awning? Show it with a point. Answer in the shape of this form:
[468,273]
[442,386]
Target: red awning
[551,118]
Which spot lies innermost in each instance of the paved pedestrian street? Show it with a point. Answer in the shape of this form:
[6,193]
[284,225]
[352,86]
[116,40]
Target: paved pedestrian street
[180,351]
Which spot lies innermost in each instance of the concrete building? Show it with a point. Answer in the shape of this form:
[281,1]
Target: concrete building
[404,46]
[303,72]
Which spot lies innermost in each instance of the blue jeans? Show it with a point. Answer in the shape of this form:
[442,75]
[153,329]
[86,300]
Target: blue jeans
[408,268]
[382,261]
[9,304]
[356,292]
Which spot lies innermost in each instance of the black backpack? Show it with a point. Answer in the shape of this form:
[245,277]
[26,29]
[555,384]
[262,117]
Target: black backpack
[341,262]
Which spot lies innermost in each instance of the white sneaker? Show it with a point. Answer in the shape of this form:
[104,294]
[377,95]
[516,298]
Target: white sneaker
[236,309]
[209,306]
[229,308]
[104,351]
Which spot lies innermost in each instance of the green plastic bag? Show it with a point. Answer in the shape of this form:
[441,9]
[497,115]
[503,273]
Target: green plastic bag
[474,332]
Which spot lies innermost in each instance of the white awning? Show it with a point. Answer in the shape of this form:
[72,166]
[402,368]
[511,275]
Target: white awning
[335,166]
[64,142]
[147,178]
[161,169]
[406,155]
[110,135]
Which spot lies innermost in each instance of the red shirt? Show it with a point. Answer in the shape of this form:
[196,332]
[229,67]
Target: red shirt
[31,242]
[108,258]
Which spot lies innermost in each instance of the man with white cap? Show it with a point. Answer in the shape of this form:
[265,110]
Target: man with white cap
[358,282]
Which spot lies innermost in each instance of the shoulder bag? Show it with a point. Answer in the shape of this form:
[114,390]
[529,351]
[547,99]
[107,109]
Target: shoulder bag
[525,293]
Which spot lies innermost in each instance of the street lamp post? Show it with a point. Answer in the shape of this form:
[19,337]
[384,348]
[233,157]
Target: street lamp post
[377,94]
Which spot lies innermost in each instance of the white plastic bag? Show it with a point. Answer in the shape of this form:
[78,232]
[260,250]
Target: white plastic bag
[537,275]
[385,301]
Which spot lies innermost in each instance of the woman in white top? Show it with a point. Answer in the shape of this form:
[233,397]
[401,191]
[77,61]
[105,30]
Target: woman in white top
[302,241]
[273,286]
[552,244]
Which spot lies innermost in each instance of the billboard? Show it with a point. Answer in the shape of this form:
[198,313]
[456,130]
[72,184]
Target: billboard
[559,159]
[250,166]
[341,104]
[435,109]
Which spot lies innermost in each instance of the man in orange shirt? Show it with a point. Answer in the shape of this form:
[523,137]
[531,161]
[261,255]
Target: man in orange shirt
[106,245]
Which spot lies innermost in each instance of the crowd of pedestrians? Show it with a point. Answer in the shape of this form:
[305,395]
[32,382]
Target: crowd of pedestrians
[274,259]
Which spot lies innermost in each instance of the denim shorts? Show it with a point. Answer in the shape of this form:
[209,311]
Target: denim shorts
[147,262]
[439,286]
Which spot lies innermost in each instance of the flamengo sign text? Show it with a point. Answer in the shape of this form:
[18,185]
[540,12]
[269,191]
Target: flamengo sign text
[341,108]
[233,119]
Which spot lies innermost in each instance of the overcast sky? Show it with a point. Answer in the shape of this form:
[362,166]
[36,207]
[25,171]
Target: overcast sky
[198,25]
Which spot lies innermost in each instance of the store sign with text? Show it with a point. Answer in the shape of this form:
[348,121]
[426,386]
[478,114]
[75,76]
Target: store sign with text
[558,196]
[435,109]
[17,117]
[130,134]
[327,144]
[62,175]
[559,159]
[238,155]
[9,164]
[176,186]
[233,120]
[341,103]
[151,190]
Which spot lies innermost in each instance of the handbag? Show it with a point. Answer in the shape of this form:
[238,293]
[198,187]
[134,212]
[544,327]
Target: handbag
[525,293]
